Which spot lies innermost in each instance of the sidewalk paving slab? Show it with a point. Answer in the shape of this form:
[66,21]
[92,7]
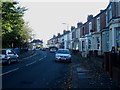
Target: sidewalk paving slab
[89,75]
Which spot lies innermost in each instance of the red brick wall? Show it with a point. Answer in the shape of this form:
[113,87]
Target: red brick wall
[87,28]
[102,20]
[82,31]
[114,9]
[73,34]
[95,24]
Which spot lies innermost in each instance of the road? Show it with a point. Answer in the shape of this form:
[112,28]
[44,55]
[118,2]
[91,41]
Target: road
[41,71]
[36,71]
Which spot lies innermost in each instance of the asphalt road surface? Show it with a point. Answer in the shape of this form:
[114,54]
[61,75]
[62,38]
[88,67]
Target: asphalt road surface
[42,72]
[36,71]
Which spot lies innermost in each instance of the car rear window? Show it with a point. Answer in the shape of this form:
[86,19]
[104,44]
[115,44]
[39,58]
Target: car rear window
[3,51]
[63,51]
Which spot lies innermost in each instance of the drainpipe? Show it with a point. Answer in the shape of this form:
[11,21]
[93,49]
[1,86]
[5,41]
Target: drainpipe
[101,42]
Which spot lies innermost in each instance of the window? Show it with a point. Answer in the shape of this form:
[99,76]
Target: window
[118,37]
[106,18]
[110,12]
[98,24]
[63,51]
[90,27]
[118,8]
[10,52]
[98,42]
[89,44]
[83,45]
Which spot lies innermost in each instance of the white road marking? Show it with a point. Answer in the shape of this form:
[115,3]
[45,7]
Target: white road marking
[43,58]
[29,56]
[40,59]
[9,71]
[26,65]
[30,63]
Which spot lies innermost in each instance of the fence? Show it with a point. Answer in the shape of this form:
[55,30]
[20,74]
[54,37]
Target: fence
[112,65]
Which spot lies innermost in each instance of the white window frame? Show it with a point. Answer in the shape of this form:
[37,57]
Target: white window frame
[89,44]
[98,42]
[110,12]
[98,24]
[106,18]
[117,36]
[90,27]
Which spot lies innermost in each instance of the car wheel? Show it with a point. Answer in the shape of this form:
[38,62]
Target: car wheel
[55,60]
[70,61]
[9,61]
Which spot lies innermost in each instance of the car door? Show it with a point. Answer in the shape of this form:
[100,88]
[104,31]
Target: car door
[15,56]
[11,55]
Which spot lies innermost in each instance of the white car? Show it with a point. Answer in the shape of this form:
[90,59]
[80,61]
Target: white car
[63,55]
[53,50]
[8,56]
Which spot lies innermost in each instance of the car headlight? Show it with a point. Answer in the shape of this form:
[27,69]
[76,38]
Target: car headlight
[69,56]
[57,55]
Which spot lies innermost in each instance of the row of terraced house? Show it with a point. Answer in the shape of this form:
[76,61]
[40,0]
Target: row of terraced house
[100,33]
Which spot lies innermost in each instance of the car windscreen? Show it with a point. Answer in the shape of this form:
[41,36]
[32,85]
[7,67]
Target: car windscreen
[63,51]
[3,51]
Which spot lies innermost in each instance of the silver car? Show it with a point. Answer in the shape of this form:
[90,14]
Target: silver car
[53,50]
[8,56]
[63,55]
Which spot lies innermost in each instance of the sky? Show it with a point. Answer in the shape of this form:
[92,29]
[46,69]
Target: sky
[47,18]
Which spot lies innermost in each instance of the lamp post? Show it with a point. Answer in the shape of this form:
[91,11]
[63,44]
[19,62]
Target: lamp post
[66,38]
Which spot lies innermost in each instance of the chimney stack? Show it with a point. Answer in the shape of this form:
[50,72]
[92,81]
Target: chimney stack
[79,24]
[72,27]
[101,11]
[64,31]
[54,36]
[90,17]
[58,34]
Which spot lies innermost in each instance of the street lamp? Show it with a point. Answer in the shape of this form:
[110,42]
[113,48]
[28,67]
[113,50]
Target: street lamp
[67,25]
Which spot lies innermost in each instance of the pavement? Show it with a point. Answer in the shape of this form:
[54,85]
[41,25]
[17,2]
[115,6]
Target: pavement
[86,73]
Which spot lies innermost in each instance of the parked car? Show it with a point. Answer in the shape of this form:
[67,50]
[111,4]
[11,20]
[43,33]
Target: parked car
[8,56]
[63,55]
[43,49]
[53,50]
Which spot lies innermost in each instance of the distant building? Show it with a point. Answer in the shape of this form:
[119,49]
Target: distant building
[36,43]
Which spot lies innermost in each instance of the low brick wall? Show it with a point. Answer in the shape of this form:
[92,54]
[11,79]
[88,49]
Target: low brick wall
[112,66]
[116,75]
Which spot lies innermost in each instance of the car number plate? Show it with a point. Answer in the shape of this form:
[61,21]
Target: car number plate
[63,58]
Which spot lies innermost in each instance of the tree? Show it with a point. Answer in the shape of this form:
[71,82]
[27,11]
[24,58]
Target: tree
[15,32]
[0,25]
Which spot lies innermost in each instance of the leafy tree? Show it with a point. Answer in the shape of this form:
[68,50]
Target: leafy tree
[0,25]
[15,32]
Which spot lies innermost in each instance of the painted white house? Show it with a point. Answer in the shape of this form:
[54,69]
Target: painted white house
[100,33]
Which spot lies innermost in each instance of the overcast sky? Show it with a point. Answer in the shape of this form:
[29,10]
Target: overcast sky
[46,18]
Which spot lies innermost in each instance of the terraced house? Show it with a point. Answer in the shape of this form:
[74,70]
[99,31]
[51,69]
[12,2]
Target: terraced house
[98,34]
